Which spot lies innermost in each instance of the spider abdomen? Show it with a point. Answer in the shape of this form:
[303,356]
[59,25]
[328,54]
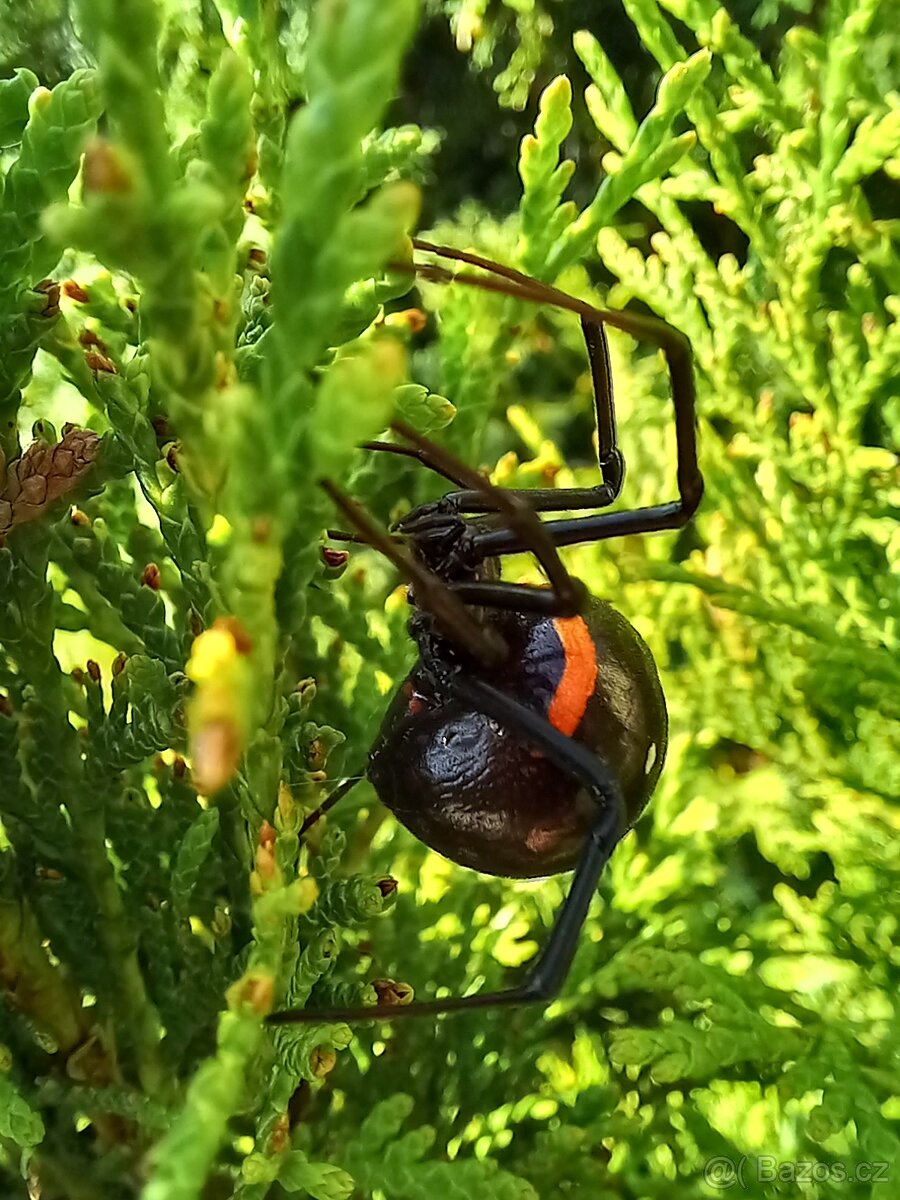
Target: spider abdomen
[486,798]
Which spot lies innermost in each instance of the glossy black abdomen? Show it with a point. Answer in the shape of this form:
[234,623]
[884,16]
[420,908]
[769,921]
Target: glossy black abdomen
[482,796]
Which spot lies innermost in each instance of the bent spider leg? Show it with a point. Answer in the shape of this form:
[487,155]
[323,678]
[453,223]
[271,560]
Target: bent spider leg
[546,977]
[677,352]
[609,456]
[612,464]
[654,518]
[566,595]
[420,454]
[432,594]
[341,535]
[521,286]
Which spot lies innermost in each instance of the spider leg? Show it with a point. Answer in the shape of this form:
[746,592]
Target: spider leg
[612,464]
[331,800]
[677,352]
[419,453]
[546,977]
[654,518]
[341,535]
[609,456]
[521,286]
[610,459]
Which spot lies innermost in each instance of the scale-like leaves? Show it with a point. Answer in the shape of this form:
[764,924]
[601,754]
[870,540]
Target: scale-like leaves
[187,669]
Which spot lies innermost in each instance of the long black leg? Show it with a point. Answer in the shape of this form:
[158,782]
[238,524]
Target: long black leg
[601,373]
[610,460]
[512,597]
[547,976]
[341,535]
[330,801]
[676,349]
[657,517]
[418,453]
[449,603]
[421,456]
[609,456]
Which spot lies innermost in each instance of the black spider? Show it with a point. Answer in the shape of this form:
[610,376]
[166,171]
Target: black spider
[530,734]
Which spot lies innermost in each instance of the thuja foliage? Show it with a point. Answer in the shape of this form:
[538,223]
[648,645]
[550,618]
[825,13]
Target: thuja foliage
[199,320]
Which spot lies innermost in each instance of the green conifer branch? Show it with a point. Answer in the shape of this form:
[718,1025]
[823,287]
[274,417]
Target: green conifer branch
[184,1156]
[137,1018]
[14,97]
[49,148]
[42,992]
[544,178]
[651,154]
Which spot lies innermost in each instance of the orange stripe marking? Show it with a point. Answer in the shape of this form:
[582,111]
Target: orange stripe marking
[579,676]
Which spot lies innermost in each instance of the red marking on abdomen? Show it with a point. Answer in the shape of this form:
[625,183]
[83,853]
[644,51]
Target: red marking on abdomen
[579,676]
[414,702]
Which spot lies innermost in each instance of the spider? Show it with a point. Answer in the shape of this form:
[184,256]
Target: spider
[531,732]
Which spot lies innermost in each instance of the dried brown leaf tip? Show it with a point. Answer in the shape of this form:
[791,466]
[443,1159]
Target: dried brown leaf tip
[151,577]
[392,992]
[243,643]
[49,289]
[100,363]
[74,291]
[43,475]
[412,318]
[334,558]
[322,1061]
[96,352]
[280,1136]
[255,989]
[106,170]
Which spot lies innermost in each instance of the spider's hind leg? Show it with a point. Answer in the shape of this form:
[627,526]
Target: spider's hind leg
[546,977]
